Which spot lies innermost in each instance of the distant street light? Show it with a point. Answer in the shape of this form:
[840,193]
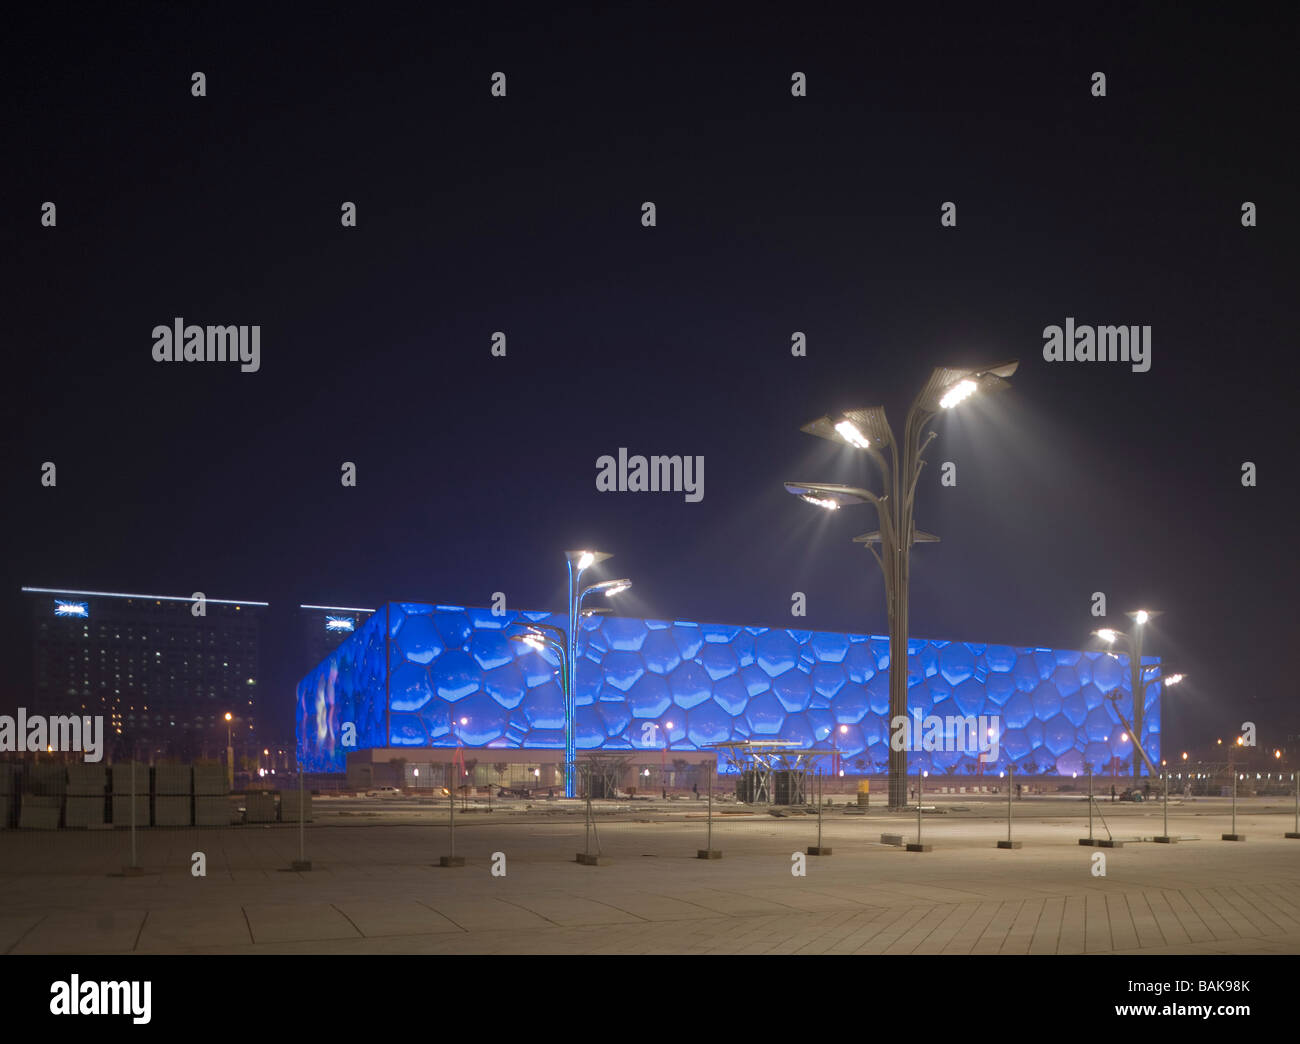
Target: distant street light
[1139,680]
[900,466]
[564,643]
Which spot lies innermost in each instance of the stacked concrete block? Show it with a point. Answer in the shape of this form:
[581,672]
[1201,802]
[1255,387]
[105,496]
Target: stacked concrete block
[289,806]
[87,796]
[44,788]
[122,790]
[259,806]
[173,795]
[211,801]
[7,791]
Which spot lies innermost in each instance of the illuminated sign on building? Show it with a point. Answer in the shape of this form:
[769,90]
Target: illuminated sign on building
[63,607]
[340,623]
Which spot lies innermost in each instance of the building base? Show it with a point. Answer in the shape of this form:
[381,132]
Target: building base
[1010,844]
[708,853]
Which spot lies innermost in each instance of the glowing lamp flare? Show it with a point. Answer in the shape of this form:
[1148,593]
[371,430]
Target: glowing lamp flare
[849,433]
[959,392]
[820,502]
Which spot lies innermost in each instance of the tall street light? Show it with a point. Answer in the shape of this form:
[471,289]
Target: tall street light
[565,644]
[230,755]
[867,430]
[1139,679]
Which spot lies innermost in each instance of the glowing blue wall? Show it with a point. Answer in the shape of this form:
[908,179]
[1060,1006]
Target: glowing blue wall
[411,674]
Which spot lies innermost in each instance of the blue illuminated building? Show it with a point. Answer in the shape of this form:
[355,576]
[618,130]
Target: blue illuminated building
[416,676]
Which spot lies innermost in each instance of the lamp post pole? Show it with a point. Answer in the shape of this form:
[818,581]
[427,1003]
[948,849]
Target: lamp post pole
[900,465]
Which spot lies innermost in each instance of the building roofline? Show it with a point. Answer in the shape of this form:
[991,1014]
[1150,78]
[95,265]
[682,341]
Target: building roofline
[147,597]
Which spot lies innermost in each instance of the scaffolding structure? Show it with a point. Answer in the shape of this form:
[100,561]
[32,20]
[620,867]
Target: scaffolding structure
[770,772]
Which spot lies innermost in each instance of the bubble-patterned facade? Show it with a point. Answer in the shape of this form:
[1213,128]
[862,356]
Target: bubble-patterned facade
[418,675]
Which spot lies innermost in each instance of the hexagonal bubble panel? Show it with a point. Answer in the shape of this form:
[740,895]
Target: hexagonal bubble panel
[505,685]
[720,661]
[860,663]
[455,675]
[624,633]
[1000,658]
[615,717]
[969,697]
[649,697]
[690,685]
[721,634]
[928,658]
[828,647]
[543,707]
[1018,710]
[1108,673]
[828,679]
[688,639]
[878,694]
[1047,701]
[1074,708]
[765,715]
[659,652]
[407,731]
[1099,725]
[794,690]
[956,663]
[622,670]
[1025,672]
[491,649]
[776,652]
[409,688]
[708,723]
[479,720]
[455,628]
[731,695]
[1058,735]
[419,640]
[880,653]
[588,730]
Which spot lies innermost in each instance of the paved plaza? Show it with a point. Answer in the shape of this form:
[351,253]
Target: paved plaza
[375,886]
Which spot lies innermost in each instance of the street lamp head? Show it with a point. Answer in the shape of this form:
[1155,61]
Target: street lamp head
[1141,616]
[581,560]
[949,386]
[609,587]
[1107,635]
[1173,679]
[864,428]
[228,716]
[828,494]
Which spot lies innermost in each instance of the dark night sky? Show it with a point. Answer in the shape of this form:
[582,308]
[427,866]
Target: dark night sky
[775,214]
